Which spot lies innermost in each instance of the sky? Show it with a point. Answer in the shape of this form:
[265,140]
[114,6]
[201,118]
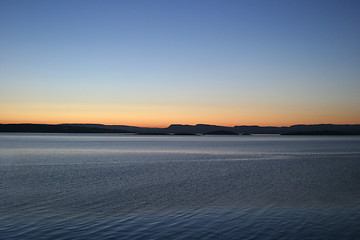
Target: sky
[159,62]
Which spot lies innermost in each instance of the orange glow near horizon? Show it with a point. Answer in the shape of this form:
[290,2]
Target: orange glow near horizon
[156,116]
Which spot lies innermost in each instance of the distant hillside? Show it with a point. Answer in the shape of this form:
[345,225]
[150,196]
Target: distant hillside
[178,129]
[320,133]
[295,129]
[323,128]
[129,129]
[221,133]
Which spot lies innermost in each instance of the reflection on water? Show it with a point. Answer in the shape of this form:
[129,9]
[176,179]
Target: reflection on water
[68,186]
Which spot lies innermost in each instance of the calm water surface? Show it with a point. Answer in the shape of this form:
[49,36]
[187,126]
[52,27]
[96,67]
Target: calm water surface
[84,186]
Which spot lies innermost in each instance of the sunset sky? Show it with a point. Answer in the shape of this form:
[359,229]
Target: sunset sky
[154,63]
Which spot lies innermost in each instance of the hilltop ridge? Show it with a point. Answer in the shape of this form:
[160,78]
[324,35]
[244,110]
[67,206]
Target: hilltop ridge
[300,129]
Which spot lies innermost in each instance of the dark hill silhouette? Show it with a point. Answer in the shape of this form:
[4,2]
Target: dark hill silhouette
[325,132]
[220,132]
[130,129]
[354,129]
[260,130]
[178,129]
[196,129]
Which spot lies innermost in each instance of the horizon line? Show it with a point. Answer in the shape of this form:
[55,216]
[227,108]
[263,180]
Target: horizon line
[250,125]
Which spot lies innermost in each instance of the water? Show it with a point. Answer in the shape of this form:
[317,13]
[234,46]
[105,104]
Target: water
[104,186]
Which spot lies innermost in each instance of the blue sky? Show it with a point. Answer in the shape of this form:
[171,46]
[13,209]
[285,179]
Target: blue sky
[159,62]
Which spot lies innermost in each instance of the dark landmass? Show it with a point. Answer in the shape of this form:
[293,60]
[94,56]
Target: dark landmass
[320,133]
[130,129]
[178,129]
[221,132]
[152,133]
[323,129]
[184,134]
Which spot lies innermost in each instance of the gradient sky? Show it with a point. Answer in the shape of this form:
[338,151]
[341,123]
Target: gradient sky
[153,63]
